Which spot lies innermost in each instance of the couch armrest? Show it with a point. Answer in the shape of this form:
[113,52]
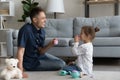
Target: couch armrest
[9,42]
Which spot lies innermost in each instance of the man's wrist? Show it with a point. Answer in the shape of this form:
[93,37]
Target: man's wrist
[20,67]
[49,45]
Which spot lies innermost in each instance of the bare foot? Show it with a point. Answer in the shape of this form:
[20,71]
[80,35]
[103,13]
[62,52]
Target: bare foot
[71,63]
[81,75]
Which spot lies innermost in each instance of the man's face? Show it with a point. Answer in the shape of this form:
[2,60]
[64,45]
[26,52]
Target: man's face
[40,20]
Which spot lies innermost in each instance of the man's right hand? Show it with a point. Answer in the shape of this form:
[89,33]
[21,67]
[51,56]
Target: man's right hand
[24,75]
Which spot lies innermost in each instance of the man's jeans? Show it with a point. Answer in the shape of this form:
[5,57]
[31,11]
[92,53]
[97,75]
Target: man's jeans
[48,62]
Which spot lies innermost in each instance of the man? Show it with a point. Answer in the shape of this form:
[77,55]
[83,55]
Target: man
[31,50]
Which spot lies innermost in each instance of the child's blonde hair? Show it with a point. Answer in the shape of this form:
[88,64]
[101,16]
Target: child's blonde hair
[90,31]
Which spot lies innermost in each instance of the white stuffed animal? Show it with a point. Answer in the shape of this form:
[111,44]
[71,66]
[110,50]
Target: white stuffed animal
[11,71]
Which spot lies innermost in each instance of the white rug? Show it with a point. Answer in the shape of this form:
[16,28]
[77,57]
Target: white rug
[101,72]
[53,75]
[98,75]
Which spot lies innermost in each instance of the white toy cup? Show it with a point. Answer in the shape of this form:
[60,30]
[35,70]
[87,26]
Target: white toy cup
[55,41]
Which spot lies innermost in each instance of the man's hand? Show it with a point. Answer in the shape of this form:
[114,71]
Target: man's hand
[53,42]
[77,38]
[24,75]
[20,54]
[44,49]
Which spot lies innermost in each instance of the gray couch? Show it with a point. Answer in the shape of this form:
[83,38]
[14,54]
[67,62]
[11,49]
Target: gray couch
[106,43]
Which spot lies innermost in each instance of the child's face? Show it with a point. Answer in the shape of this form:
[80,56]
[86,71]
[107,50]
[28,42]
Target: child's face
[83,37]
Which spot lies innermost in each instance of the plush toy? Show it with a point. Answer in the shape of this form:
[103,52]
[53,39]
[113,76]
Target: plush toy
[11,70]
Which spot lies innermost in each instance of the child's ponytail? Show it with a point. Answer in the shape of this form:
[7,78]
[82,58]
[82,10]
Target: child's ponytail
[96,29]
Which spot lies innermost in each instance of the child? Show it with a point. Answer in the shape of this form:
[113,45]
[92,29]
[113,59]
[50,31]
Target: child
[84,52]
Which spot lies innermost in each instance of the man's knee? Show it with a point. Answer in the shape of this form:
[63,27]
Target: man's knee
[61,63]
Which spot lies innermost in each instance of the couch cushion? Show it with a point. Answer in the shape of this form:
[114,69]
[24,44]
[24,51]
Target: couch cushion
[59,28]
[115,26]
[62,42]
[101,41]
[106,41]
[79,22]
[71,42]
[104,24]
[61,51]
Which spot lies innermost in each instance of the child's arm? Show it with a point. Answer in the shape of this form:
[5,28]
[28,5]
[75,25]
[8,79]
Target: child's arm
[78,50]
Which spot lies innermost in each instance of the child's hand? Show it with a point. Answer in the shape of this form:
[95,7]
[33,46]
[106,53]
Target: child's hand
[77,38]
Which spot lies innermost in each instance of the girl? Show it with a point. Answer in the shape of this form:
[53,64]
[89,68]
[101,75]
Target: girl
[84,52]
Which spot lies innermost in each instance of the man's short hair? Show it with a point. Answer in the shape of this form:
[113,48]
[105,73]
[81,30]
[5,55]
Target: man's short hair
[35,11]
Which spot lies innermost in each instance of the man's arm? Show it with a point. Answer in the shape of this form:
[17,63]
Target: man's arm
[20,54]
[44,49]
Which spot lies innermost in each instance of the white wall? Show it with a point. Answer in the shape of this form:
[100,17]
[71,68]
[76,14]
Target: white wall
[73,8]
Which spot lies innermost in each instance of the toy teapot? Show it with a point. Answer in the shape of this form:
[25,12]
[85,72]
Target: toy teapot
[75,74]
